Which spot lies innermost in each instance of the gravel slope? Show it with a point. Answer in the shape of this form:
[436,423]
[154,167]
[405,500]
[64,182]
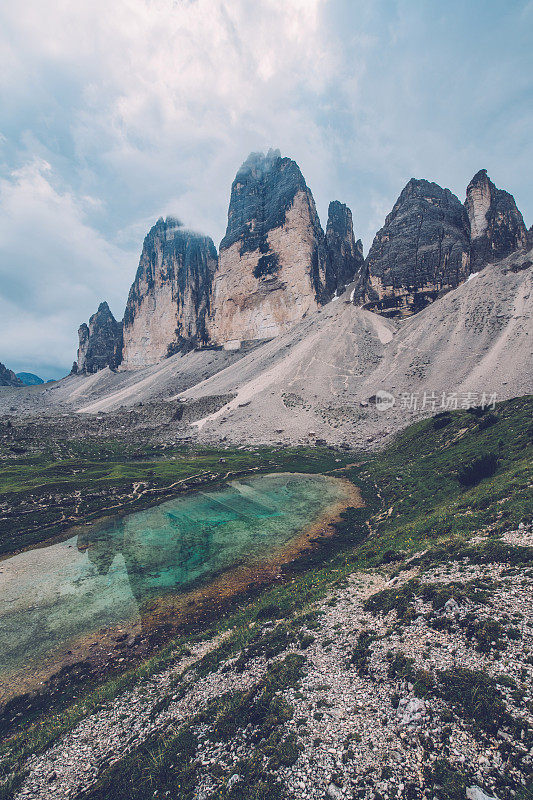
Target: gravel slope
[320,375]
[108,391]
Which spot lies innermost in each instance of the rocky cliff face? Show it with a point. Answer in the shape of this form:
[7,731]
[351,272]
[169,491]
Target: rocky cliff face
[273,262]
[100,342]
[496,225]
[423,249]
[8,377]
[276,264]
[169,300]
[346,260]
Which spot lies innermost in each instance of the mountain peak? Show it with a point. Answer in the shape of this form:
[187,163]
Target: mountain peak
[169,298]
[273,265]
[100,342]
[346,261]
[8,377]
[422,249]
[496,225]
[479,177]
[259,163]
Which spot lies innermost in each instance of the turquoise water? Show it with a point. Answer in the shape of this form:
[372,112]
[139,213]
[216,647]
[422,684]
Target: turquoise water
[104,575]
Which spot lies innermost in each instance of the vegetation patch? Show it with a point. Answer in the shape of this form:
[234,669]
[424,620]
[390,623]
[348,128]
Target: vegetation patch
[403,668]
[163,763]
[254,782]
[487,632]
[449,783]
[482,467]
[476,696]
[401,599]
[362,652]
[261,706]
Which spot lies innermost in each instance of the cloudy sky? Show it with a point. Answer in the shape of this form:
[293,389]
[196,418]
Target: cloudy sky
[114,113]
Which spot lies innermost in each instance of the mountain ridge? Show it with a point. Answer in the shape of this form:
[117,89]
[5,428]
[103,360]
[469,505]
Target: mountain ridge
[318,381]
[276,264]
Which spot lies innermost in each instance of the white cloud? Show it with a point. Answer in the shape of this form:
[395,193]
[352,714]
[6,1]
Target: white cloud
[148,107]
[152,84]
[141,107]
[55,268]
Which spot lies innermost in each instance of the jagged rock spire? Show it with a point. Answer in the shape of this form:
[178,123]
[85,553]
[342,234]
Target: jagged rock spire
[345,254]
[100,342]
[496,225]
[273,259]
[168,302]
[422,249]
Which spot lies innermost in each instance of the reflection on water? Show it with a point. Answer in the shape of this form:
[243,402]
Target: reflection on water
[103,576]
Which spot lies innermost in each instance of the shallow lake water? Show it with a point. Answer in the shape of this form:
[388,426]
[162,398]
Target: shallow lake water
[104,575]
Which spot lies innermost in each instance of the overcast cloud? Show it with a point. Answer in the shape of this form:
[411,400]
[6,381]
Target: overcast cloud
[114,113]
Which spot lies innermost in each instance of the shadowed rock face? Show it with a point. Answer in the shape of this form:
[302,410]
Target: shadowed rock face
[169,300]
[8,377]
[100,342]
[273,261]
[423,249]
[346,261]
[496,225]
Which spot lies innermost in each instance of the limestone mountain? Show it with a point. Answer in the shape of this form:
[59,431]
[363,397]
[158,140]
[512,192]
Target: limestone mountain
[100,342]
[422,249]
[345,254]
[169,300]
[496,225]
[8,377]
[320,378]
[274,265]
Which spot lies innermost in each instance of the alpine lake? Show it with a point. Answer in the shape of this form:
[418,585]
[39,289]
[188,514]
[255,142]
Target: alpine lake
[133,573]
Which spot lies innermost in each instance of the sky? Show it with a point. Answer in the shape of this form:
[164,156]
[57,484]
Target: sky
[115,113]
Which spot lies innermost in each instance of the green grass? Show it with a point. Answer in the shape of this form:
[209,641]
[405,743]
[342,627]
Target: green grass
[164,763]
[449,782]
[422,499]
[108,464]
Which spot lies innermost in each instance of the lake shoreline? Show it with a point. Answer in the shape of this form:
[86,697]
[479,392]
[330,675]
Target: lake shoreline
[116,648]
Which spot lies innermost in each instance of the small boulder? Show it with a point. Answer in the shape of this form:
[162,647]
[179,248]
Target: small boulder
[233,779]
[411,711]
[334,792]
[475,793]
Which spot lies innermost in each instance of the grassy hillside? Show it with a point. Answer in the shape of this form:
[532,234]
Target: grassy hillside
[416,478]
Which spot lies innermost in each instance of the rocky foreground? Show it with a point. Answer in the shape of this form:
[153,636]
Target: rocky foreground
[394,663]
[414,681]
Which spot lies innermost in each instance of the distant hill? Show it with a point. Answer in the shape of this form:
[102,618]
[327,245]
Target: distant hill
[29,379]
